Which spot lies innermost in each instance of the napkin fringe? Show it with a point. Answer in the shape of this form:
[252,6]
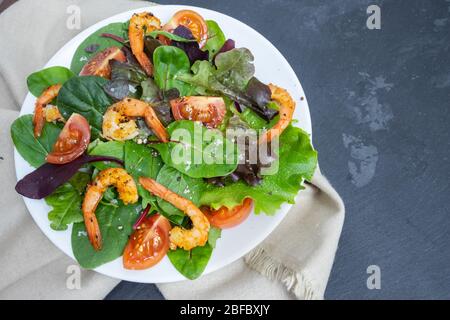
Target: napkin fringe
[297,283]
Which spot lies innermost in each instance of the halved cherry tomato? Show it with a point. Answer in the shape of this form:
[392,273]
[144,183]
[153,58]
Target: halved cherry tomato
[99,64]
[148,244]
[224,218]
[192,20]
[72,141]
[209,110]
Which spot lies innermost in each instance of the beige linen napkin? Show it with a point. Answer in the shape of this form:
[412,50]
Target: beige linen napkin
[295,259]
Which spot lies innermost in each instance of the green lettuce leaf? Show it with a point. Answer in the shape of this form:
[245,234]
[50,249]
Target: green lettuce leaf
[215,156]
[235,68]
[141,160]
[169,62]
[66,202]
[33,150]
[192,263]
[216,39]
[110,148]
[297,161]
[181,184]
[213,236]
[81,57]
[39,81]
[116,225]
[169,35]
[85,95]
[233,72]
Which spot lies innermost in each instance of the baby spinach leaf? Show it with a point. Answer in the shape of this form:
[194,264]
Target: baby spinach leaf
[33,150]
[116,225]
[197,151]
[66,202]
[110,148]
[81,57]
[297,161]
[216,39]
[168,63]
[213,236]
[192,263]
[39,81]
[142,161]
[85,95]
[182,185]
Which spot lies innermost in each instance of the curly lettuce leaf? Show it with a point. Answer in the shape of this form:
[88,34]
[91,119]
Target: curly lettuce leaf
[233,71]
[297,161]
[66,202]
[235,68]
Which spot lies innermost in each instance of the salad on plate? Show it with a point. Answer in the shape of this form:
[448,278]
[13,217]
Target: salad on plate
[157,138]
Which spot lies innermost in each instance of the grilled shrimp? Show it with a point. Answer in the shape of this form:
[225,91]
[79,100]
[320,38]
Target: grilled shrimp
[42,112]
[117,124]
[139,24]
[287,107]
[128,193]
[179,237]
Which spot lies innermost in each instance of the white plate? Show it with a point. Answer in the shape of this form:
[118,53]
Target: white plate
[270,65]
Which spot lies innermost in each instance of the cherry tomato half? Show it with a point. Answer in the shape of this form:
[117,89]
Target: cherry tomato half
[72,141]
[224,218]
[192,20]
[148,244]
[99,64]
[209,110]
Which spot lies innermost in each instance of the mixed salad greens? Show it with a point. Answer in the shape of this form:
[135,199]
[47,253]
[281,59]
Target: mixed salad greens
[107,136]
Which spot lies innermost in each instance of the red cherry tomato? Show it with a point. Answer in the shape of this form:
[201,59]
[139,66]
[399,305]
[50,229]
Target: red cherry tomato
[209,110]
[72,141]
[224,218]
[191,20]
[99,64]
[148,244]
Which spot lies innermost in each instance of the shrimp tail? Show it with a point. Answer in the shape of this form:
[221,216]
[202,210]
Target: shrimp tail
[38,120]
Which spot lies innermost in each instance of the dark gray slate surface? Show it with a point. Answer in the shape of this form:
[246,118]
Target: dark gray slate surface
[379,102]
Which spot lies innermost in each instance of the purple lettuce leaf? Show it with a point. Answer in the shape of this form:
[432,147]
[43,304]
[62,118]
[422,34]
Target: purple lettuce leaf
[192,49]
[227,46]
[44,180]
